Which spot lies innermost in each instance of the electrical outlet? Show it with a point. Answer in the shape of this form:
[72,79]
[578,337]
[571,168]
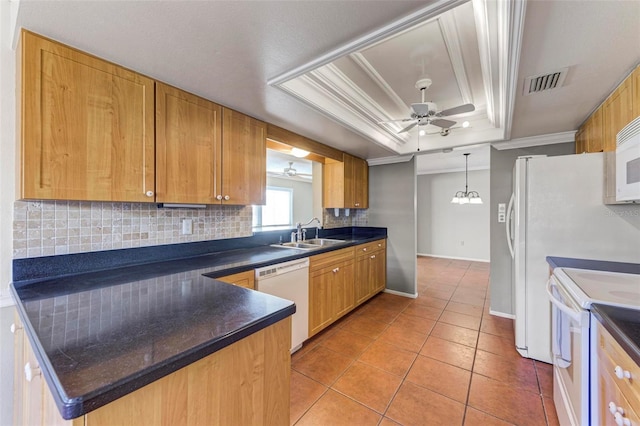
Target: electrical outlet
[187,226]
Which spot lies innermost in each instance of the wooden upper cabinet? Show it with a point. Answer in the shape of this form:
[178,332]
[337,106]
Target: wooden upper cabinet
[581,140]
[636,91]
[244,154]
[188,147]
[87,126]
[617,112]
[346,183]
[595,136]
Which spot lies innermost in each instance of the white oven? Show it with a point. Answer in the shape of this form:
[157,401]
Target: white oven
[628,163]
[570,355]
[571,293]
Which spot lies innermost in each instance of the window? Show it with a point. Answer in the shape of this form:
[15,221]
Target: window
[278,212]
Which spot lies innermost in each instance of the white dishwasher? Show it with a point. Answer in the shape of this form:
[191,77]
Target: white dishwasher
[289,280]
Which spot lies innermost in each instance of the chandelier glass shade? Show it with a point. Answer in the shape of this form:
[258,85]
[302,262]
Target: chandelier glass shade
[466,196]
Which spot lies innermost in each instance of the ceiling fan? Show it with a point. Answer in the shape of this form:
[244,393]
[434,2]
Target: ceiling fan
[291,172]
[424,113]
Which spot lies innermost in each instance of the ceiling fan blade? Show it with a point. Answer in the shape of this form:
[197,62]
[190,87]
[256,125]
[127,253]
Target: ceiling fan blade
[409,127]
[420,109]
[395,121]
[457,110]
[441,122]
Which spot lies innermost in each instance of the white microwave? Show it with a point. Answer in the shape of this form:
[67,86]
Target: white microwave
[628,163]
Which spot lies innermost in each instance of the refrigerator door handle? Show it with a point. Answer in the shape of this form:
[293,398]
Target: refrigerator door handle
[508,225]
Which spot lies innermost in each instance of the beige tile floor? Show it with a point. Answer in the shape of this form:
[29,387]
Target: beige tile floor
[439,359]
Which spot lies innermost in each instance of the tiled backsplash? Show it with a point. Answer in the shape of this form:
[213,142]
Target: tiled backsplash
[46,228]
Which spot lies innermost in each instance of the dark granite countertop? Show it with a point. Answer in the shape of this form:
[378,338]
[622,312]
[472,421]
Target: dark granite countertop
[103,326]
[624,326]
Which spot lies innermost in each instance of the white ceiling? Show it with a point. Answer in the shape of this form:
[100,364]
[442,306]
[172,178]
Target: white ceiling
[228,51]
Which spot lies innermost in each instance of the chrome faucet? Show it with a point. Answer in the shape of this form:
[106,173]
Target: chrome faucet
[300,225]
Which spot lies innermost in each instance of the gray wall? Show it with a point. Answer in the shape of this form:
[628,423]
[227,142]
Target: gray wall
[302,197]
[502,163]
[453,230]
[392,204]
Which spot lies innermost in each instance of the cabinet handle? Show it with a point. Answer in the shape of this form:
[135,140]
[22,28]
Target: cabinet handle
[226,198]
[336,270]
[373,256]
[14,328]
[357,204]
[364,249]
[379,244]
[31,372]
[622,373]
[149,193]
[219,197]
[621,420]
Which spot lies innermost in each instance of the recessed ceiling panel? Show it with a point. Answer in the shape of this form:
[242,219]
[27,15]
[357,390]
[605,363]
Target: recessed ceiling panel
[421,52]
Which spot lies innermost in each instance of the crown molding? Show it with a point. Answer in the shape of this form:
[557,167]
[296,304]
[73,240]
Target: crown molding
[548,139]
[449,31]
[359,59]
[390,160]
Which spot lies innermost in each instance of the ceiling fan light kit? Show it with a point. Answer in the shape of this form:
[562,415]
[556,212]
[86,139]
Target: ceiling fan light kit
[425,113]
[299,153]
[466,196]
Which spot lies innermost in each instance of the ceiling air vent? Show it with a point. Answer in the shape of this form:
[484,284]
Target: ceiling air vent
[544,82]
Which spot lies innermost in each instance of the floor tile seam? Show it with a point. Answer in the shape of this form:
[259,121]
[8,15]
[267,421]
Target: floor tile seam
[478,408]
[312,405]
[365,405]
[404,380]
[448,363]
[546,414]
[508,384]
[439,393]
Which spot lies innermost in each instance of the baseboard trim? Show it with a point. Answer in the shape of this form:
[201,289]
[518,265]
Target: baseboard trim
[502,314]
[470,259]
[400,293]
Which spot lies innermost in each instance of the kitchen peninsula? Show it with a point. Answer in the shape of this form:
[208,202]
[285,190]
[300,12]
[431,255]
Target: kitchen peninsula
[120,338]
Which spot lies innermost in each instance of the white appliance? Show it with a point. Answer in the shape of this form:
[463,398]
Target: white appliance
[556,210]
[289,280]
[571,292]
[628,162]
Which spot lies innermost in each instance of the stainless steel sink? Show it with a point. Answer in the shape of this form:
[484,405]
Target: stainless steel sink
[324,241]
[313,244]
[300,245]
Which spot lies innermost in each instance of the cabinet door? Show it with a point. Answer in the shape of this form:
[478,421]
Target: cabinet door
[87,126]
[19,382]
[188,140]
[343,289]
[378,261]
[636,92]
[361,279]
[617,113]
[333,184]
[244,153]
[242,279]
[360,183]
[595,136]
[320,300]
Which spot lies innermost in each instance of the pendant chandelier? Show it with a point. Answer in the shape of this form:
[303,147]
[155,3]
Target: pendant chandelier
[466,197]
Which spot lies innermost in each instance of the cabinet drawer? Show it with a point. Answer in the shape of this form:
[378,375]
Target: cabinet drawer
[618,364]
[330,259]
[611,399]
[241,279]
[367,248]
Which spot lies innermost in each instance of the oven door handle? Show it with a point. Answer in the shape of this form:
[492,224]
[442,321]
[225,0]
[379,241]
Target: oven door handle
[574,315]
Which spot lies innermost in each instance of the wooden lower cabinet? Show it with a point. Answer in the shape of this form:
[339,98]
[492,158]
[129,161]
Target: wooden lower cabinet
[371,270]
[331,277]
[242,279]
[618,393]
[246,383]
[343,279]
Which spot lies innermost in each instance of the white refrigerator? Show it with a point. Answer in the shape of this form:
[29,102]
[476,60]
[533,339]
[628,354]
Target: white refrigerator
[557,210]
